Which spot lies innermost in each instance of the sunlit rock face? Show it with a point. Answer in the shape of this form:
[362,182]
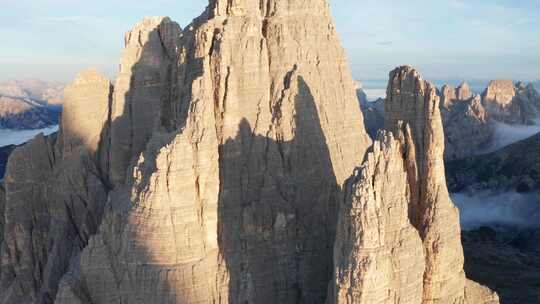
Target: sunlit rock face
[235,198]
[397,203]
[55,194]
[86,117]
[378,254]
[508,103]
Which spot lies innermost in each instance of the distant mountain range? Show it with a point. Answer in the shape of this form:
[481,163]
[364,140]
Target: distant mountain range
[30,104]
[43,92]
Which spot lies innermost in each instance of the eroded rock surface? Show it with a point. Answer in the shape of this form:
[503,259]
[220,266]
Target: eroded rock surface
[504,103]
[378,254]
[467,125]
[372,260]
[55,194]
[415,102]
[238,203]
[141,88]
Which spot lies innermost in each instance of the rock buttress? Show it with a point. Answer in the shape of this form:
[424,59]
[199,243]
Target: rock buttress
[399,203]
[238,203]
[55,193]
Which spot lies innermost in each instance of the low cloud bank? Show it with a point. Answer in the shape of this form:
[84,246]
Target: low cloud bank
[498,209]
[506,134]
[17,137]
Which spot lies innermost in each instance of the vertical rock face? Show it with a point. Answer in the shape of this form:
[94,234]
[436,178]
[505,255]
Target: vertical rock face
[86,117]
[398,240]
[450,95]
[502,102]
[415,102]
[239,204]
[378,254]
[141,87]
[467,126]
[54,196]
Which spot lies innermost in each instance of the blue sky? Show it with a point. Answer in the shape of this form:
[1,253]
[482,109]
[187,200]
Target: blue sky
[445,39]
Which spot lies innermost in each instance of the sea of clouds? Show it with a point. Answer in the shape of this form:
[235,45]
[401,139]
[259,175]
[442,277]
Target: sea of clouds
[17,137]
[506,134]
[489,208]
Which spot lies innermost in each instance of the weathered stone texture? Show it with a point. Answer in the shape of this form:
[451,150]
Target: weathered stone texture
[140,89]
[415,102]
[86,118]
[372,261]
[239,204]
[55,196]
[467,127]
[503,103]
[378,254]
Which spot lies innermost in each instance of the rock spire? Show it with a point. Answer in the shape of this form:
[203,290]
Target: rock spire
[235,199]
[398,238]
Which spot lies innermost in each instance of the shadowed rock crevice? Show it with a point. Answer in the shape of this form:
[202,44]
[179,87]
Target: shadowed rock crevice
[142,90]
[283,197]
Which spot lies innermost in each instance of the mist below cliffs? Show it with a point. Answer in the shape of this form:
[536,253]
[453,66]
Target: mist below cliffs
[506,134]
[488,208]
[17,137]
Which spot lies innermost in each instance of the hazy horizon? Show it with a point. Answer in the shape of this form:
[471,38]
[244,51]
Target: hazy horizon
[448,41]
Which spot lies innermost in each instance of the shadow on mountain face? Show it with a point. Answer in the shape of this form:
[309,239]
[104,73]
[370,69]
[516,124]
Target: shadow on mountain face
[4,155]
[276,219]
[277,211]
[55,216]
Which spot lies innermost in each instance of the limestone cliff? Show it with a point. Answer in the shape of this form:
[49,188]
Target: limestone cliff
[141,88]
[504,103]
[467,125]
[235,199]
[55,194]
[398,201]
[212,173]
[378,254]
